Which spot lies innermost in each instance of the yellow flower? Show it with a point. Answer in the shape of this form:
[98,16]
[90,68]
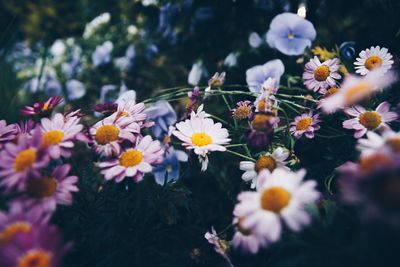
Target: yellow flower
[323,53]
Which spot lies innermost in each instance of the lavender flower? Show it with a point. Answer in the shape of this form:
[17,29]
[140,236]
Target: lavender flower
[290,34]
[163,115]
[168,170]
[102,54]
[257,75]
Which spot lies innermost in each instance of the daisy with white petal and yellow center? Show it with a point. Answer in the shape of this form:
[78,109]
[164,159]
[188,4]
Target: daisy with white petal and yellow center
[388,140]
[202,135]
[373,58]
[109,133]
[319,76]
[281,196]
[269,161]
[365,121]
[245,239]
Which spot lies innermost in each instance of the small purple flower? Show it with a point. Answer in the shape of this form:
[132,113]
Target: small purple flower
[42,109]
[102,53]
[243,110]
[257,75]
[106,108]
[319,76]
[290,34]
[163,115]
[7,132]
[305,124]
[168,170]
[22,160]
[43,246]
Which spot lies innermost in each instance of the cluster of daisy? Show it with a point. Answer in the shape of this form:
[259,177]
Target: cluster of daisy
[35,176]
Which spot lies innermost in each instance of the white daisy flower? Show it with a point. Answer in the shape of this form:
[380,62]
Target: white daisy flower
[388,140]
[364,120]
[202,135]
[373,58]
[269,161]
[281,194]
[319,76]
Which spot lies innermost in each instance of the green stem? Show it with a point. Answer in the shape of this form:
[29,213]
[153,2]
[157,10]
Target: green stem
[240,155]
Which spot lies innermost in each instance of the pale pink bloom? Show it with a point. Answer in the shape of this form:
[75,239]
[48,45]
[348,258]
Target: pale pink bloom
[134,162]
[281,196]
[319,76]
[364,120]
[7,132]
[109,133]
[60,133]
[354,89]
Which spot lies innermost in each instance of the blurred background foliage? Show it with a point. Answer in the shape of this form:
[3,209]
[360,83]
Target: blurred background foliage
[144,224]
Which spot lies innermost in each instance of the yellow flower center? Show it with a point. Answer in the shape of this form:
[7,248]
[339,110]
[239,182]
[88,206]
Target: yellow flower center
[240,228]
[303,124]
[321,73]
[290,36]
[242,112]
[394,144]
[262,121]
[275,199]
[370,119]
[356,92]
[265,162]
[35,258]
[370,162]
[201,139]
[12,229]
[53,137]
[25,159]
[41,187]
[106,134]
[331,91]
[130,158]
[373,62]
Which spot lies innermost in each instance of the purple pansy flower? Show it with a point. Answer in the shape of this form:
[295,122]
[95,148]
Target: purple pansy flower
[290,34]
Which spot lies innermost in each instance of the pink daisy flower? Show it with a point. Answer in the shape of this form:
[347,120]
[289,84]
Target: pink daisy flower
[7,132]
[246,239]
[134,162]
[305,124]
[135,112]
[109,133]
[365,121]
[58,134]
[42,108]
[319,76]
[50,190]
[22,160]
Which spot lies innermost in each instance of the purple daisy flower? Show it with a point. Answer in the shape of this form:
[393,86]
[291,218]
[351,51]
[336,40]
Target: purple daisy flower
[135,112]
[50,190]
[134,162]
[22,160]
[305,124]
[20,218]
[43,246]
[290,34]
[109,133]
[319,76]
[59,133]
[7,132]
[243,110]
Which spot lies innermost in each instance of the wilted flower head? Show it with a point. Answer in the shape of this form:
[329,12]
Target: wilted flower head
[42,109]
[261,130]
[257,75]
[290,34]
[220,246]
[243,110]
